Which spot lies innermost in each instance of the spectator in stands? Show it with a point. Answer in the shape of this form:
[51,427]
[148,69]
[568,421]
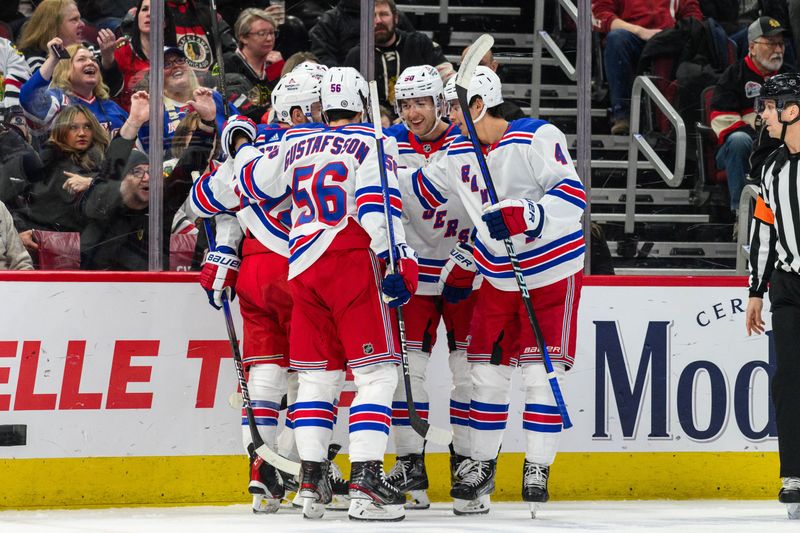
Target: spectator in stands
[256,60]
[395,50]
[628,24]
[14,72]
[16,155]
[52,18]
[188,27]
[116,237]
[296,59]
[133,56]
[76,80]
[11,14]
[508,109]
[181,90]
[73,154]
[338,30]
[732,115]
[105,13]
[13,255]
[61,18]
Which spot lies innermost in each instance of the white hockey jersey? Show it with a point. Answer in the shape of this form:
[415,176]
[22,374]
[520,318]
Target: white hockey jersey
[333,175]
[268,219]
[431,232]
[530,161]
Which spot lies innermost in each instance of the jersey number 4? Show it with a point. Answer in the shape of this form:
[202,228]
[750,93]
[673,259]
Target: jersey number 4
[317,194]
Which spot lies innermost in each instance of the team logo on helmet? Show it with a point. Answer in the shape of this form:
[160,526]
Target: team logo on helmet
[368,349]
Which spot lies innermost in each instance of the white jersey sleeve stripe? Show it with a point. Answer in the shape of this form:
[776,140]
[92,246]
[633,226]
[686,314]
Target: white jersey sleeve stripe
[370,200]
[203,196]
[425,191]
[571,191]
[533,261]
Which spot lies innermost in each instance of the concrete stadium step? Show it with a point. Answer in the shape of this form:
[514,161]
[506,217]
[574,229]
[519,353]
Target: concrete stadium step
[684,218]
[461,10]
[677,250]
[643,196]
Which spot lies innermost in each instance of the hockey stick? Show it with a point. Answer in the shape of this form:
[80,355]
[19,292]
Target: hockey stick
[264,451]
[465,72]
[420,425]
[221,85]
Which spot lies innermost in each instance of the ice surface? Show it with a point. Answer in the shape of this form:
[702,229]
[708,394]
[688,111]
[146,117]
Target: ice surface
[662,516]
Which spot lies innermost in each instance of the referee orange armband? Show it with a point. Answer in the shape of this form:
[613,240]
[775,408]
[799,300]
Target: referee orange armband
[763,213]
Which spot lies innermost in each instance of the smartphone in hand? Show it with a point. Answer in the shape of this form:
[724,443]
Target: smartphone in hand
[60,52]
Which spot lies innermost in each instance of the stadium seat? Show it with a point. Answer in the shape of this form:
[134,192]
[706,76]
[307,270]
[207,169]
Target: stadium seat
[58,250]
[5,31]
[181,251]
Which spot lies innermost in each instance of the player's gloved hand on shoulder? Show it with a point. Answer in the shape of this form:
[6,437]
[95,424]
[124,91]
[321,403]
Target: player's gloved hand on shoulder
[400,286]
[236,127]
[512,217]
[219,274]
[458,274]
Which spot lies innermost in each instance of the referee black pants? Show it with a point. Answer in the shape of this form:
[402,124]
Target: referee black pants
[784,294]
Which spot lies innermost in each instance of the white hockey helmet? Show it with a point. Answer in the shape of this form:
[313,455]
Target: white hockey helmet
[317,70]
[344,88]
[485,83]
[295,89]
[419,82]
[450,93]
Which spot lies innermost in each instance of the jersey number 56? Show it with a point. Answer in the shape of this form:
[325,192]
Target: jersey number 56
[317,195]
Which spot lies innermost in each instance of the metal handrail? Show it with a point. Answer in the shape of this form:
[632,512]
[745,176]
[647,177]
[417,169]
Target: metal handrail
[541,38]
[749,193]
[637,143]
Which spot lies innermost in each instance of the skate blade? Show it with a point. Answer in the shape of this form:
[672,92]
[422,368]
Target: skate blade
[312,510]
[481,505]
[367,511]
[264,505]
[793,510]
[339,502]
[534,507]
[418,499]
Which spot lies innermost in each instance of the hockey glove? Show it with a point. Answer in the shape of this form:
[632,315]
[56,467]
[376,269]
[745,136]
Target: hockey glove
[237,126]
[400,286]
[512,217]
[458,274]
[219,274]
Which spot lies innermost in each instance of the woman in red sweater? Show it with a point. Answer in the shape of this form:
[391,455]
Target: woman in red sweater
[133,57]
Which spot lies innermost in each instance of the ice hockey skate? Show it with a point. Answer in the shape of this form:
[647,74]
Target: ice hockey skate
[472,492]
[372,498]
[315,488]
[340,488]
[265,485]
[534,485]
[409,476]
[790,495]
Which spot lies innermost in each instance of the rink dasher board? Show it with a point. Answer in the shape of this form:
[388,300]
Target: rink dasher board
[118,376]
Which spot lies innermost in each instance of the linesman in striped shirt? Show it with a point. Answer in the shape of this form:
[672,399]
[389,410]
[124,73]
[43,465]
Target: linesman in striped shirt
[775,259]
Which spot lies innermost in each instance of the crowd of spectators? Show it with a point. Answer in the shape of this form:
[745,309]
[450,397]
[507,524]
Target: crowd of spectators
[759,30]
[74,130]
[74,133]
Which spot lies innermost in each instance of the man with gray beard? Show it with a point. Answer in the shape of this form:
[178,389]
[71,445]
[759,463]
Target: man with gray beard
[732,115]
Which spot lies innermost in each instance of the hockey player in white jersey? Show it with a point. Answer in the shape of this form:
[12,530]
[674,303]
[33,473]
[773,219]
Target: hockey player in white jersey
[542,201]
[423,138]
[262,285]
[340,317]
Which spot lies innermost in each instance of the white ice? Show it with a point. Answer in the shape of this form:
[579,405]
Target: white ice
[661,516]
